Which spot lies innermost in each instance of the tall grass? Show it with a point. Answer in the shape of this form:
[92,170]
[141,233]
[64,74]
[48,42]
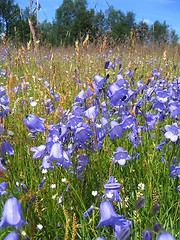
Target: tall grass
[60,209]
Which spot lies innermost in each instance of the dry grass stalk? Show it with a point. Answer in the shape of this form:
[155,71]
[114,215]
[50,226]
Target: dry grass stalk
[74,226]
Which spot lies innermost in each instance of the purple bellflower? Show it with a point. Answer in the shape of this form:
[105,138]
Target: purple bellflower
[112,189]
[172,132]
[3,188]
[6,148]
[120,156]
[88,211]
[12,236]
[165,236]
[91,113]
[147,235]
[99,80]
[116,130]
[34,123]
[12,214]
[108,215]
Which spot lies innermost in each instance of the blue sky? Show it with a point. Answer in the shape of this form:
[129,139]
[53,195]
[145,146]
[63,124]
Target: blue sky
[147,10]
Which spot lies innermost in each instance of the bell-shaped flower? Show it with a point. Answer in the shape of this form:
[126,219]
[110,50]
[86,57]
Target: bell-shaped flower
[12,214]
[116,94]
[112,189]
[99,80]
[82,134]
[12,236]
[34,123]
[74,121]
[38,151]
[108,215]
[165,236]
[120,232]
[116,130]
[6,148]
[3,188]
[172,132]
[82,95]
[91,113]
[120,156]
[147,235]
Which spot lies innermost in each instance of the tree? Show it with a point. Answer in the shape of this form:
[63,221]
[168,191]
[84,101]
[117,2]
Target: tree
[159,32]
[64,21]
[119,24]
[142,32]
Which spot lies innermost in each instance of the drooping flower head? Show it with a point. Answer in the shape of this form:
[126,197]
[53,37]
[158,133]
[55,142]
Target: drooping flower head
[12,214]
[12,236]
[34,123]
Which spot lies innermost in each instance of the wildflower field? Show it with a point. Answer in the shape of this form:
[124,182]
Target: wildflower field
[90,142]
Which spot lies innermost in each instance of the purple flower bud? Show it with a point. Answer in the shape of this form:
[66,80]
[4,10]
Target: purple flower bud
[155,208]
[88,211]
[139,202]
[147,235]
[157,227]
[12,236]
[12,214]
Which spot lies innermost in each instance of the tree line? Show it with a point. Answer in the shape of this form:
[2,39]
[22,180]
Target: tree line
[73,21]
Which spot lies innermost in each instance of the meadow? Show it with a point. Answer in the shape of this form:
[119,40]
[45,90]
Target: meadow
[90,142]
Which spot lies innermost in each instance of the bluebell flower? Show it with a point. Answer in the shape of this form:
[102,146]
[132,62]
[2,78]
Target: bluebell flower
[108,215]
[12,214]
[165,236]
[172,132]
[109,64]
[116,94]
[82,95]
[116,130]
[99,80]
[129,72]
[147,234]
[82,134]
[121,232]
[112,189]
[12,236]
[121,81]
[88,211]
[162,95]
[120,156]
[91,113]
[38,151]
[46,163]
[6,148]
[99,238]
[174,170]
[3,188]
[74,121]
[34,123]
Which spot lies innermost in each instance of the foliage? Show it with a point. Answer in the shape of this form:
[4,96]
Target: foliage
[73,21]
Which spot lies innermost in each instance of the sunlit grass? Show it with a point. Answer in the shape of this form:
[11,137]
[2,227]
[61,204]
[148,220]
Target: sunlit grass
[60,209]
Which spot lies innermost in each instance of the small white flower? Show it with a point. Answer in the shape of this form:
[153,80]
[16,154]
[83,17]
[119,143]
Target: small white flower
[94,193]
[60,199]
[53,185]
[44,170]
[109,195]
[141,186]
[33,103]
[54,196]
[40,226]
[63,180]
